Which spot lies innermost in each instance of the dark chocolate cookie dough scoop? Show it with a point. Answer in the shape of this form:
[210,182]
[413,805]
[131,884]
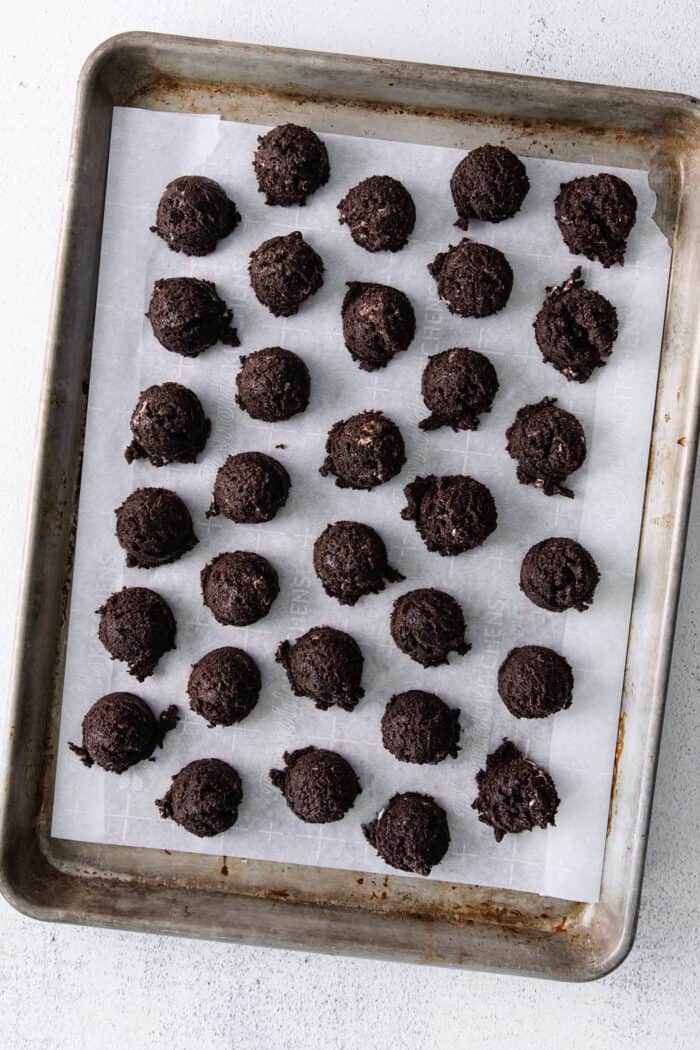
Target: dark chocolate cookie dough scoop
[364,451]
[291,163]
[137,627]
[284,272]
[535,682]
[411,833]
[595,215]
[559,574]
[193,215]
[428,625]
[319,786]
[273,384]
[514,794]
[239,587]
[326,665]
[154,527]
[350,560]
[224,686]
[168,426]
[458,385]
[548,444]
[475,280]
[378,323]
[490,184]
[120,730]
[379,212]
[575,328]
[250,488]
[419,727]
[203,798]
[188,316]
[452,514]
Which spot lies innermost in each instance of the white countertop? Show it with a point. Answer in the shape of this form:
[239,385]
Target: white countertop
[81,988]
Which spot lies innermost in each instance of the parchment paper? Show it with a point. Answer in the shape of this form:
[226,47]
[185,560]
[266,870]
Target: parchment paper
[577,746]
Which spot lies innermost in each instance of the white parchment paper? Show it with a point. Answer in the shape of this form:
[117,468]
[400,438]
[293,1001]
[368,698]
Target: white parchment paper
[577,746]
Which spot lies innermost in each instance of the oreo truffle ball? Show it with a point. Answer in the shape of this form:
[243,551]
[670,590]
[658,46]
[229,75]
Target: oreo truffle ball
[489,184]
[548,444]
[326,665]
[284,272]
[453,513]
[411,833]
[136,627]
[239,587]
[475,280]
[120,730]
[364,451]
[419,727]
[168,426]
[273,384]
[535,682]
[350,560]
[187,316]
[378,323]
[380,214]
[575,329]
[457,386]
[224,686]
[428,625]
[291,163]
[595,215]
[193,215]
[514,794]
[203,798]
[250,488]
[319,786]
[559,574]
[154,527]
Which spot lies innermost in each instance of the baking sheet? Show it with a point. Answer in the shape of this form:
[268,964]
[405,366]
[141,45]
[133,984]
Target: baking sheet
[148,149]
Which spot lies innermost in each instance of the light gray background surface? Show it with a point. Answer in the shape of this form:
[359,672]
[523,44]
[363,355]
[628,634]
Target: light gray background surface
[64,987]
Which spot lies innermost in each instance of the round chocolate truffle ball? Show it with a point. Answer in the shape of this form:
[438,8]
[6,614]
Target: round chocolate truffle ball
[137,627]
[457,386]
[364,451]
[273,384]
[203,798]
[154,527]
[120,730]
[350,560]
[534,682]
[475,280]
[576,328]
[380,214]
[187,316]
[168,426]
[291,163]
[194,213]
[411,833]
[239,587]
[489,184]
[595,215]
[320,786]
[378,323]
[326,665]
[419,727]
[224,686]
[548,444]
[559,574]
[453,513]
[250,488]
[514,794]
[428,625]
[285,271]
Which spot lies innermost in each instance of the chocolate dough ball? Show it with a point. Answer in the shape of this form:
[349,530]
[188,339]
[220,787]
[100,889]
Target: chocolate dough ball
[120,730]
[364,451]
[419,727]
[489,184]
[284,271]
[453,513]
[475,280]
[194,213]
[576,328]
[350,560]
[273,384]
[457,386]
[250,488]
[548,444]
[595,215]
[320,786]
[378,323]
[379,212]
[154,527]
[515,794]
[428,625]
[137,627]
[291,163]
[534,682]
[326,665]
[239,587]
[168,426]
[224,686]
[410,833]
[203,798]
[559,574]
[187,316]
